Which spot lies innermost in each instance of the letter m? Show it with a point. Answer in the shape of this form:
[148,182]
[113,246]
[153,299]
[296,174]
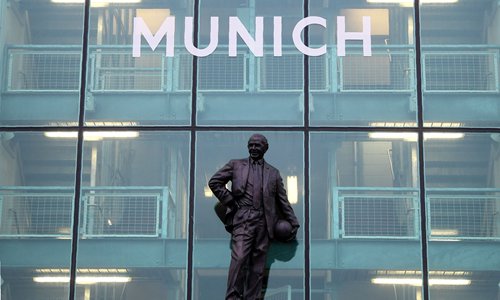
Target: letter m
[167,29]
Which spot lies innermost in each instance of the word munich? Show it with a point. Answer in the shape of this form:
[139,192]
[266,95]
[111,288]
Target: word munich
[254,43]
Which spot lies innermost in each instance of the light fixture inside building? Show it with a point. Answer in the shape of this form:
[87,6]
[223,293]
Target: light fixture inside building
[92,135]
[408,136]
[96,2]
[418,281]
[92,276]
[409,2]
[82,271]
[413,136]
[414,124]
[443,135]
[292,189]
[444,232]
[83,279]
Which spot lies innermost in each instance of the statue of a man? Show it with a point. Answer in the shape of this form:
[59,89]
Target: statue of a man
[254,205]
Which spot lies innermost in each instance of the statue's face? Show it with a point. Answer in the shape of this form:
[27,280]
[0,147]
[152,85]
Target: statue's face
[256,148]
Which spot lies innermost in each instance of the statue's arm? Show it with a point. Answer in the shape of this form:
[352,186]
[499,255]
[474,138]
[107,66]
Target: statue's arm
[218,184]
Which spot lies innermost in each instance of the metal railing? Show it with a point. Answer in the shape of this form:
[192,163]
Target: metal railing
[43,69]
[455,69]
[282,293]
[393,213]
[116,70]
[105,212]
[391,68]
[464,213]
[219,72]
[375,213]
[387,213]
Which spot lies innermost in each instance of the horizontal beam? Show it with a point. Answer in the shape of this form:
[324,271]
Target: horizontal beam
[215,253]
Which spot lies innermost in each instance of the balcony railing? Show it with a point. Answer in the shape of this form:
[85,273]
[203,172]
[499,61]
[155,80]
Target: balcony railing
[43,69]
[394,213]
[282,293]
[375,213]
[460,68]
[355,213]
[464,213]
[105,212]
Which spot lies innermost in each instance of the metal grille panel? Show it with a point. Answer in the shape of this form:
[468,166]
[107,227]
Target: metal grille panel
[44,71]
[378,216]
[380,72]
[122,72]
[36,214]
[184,65]
[282,73]
[121,214]
[318,73]
[219,72]
[464,216]
[460,71]
[283,293]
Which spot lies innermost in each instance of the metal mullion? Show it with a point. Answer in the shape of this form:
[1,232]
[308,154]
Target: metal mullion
[307,236]
[192,155]
[79,154]
[421,165]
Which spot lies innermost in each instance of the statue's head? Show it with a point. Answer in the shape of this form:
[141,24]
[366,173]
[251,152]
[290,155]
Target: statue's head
[257,146]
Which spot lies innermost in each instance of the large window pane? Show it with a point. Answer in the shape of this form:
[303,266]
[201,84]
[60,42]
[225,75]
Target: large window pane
[36,210]
[250,88]
[133,215]
[361,89]
[40,57]
[152,89]
[365,233]
[460,69]
[211,253]
[463,200]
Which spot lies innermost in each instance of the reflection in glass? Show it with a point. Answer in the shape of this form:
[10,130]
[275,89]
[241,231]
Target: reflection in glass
[365,230]
[463,197]
[36,211]
[133,215]
[211,253]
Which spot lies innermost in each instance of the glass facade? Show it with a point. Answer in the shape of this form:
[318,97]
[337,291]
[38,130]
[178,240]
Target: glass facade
[383,117]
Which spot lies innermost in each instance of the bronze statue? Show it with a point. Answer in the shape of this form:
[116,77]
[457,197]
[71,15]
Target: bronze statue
[250,211]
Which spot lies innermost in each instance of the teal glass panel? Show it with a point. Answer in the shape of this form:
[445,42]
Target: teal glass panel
[349,86]
[40,58]
[460,68]
[211,252]
[36,210]
[133,223]
[462,177]
[129,83]
[365,220]
[256,86]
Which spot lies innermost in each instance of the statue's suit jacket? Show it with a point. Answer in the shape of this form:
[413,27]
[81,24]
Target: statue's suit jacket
[275,201]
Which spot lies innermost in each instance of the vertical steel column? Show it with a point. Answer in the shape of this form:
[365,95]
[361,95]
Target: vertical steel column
[306,225]
[79,149]
[420,126]
[192,155]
